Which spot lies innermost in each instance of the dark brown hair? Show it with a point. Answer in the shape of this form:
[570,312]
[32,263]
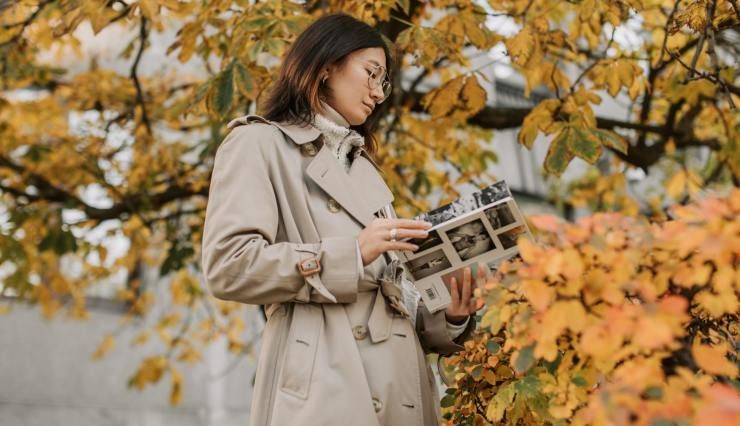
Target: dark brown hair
[329,40]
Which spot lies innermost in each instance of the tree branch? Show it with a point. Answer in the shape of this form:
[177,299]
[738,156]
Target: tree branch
[139,92]
[136,203]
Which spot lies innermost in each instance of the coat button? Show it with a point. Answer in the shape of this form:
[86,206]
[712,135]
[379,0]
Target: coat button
[360,332]
[308,149]
[334,206]
[377,405]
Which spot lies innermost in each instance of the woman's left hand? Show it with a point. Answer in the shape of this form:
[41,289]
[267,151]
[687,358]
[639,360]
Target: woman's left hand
[464,302]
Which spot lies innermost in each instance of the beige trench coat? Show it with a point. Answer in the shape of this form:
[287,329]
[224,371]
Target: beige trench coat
[333,351]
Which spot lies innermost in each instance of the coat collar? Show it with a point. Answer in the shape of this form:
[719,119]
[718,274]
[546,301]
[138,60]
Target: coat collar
[361,191]
[299,134]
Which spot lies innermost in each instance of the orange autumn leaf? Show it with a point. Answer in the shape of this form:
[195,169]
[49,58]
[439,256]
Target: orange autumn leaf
[539,294]
[713,359]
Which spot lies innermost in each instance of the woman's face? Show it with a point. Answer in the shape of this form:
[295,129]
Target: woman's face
[349,90]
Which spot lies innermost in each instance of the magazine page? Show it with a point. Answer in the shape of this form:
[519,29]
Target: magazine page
[478,229]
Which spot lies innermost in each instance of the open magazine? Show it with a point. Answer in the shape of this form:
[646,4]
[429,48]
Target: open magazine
[480,228]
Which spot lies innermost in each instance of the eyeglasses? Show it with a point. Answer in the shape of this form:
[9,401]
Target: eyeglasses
[379,77]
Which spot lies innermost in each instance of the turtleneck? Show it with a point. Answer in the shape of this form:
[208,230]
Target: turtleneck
[337,133]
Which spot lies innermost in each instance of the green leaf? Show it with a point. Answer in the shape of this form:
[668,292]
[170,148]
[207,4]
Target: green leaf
[177,257]
[487,156]
[222,92]
[558,157]
[529,393]
[257,23]
[275,46]
[498,404]
[579,381]
[404,37]
[477,373]
[256,49]
[528,386]
[492,346]
[60,241]
[200,93]
[421,180]
[553,366]
[654,392]
[611,140]
[584,145]
[525,359]
[243,80]
[447,401]
[292,26]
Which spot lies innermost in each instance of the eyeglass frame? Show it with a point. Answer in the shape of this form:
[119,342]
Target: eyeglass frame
[372,84]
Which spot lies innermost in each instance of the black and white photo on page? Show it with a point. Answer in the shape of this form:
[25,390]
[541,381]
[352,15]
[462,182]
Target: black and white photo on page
[500,215]
[471,239]
[428,264]
[509,238]
[466,204]
[432,240]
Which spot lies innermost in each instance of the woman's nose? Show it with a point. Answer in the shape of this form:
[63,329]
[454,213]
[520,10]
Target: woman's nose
[377,94]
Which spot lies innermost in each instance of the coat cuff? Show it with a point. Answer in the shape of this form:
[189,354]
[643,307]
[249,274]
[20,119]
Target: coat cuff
[340,267]
[433,332]
[455,330]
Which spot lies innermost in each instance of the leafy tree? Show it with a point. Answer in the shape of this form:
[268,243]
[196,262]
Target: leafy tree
[611,320]
[672,62]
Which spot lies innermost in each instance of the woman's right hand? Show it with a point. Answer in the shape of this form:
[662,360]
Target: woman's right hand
[375,239]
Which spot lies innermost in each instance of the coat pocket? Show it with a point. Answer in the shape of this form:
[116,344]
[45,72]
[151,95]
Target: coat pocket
[300,350]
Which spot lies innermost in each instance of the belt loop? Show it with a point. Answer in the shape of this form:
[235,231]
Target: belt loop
[380,321]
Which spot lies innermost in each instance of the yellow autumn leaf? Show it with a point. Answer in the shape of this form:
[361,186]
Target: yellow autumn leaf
[441,101]
[529,251]
[189,355]
[676,185]
[539,294]
[474,95]
[713,359]
[150,371]
[105,346]
[176,387]
[717,305]
[150,8]
[521,46]
[141,338]
[626,71]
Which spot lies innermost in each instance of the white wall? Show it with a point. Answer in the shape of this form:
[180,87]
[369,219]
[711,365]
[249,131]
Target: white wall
[47,377]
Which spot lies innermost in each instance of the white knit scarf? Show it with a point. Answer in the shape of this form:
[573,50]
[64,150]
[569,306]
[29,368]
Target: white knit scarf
[337,135]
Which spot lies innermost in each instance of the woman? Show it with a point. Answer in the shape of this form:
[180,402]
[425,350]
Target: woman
[299,220]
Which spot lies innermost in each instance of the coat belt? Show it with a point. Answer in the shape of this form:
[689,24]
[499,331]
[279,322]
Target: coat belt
[388,295]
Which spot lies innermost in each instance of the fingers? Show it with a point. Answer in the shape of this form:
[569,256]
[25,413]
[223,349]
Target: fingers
[454,293]
[466,291]
[402,233]
[399,245]
[403,224]
[482,273]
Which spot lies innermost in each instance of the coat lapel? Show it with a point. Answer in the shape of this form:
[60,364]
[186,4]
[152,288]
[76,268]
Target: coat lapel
[361,193]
